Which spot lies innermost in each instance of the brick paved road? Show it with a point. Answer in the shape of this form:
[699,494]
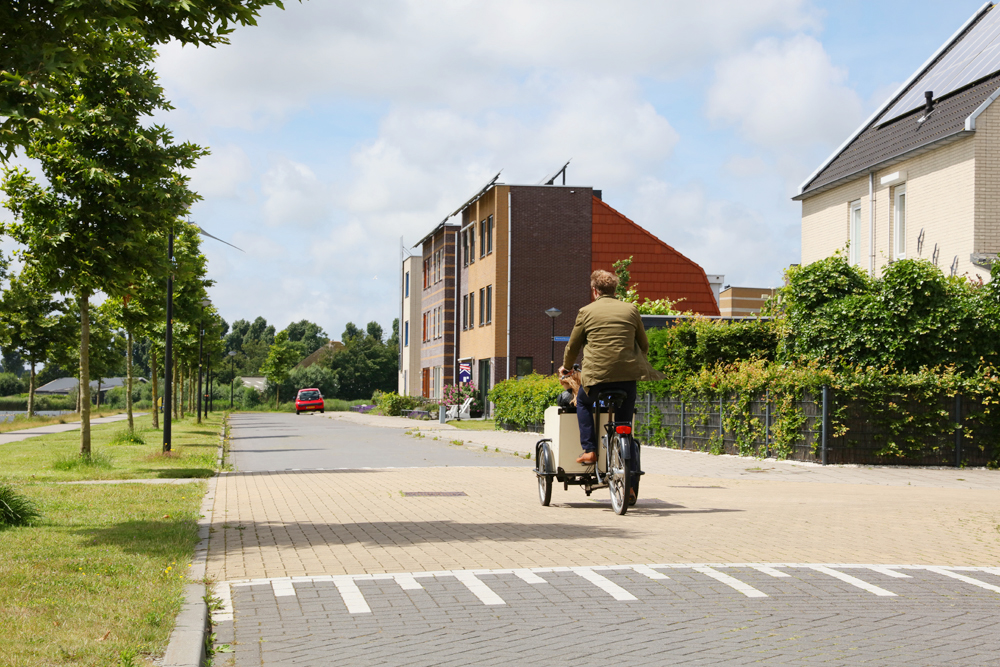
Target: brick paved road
[323,545]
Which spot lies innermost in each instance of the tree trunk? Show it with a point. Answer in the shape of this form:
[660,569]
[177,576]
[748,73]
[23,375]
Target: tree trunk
[128,379]
[98,395]
[84,374]
[31,392]
[152,369]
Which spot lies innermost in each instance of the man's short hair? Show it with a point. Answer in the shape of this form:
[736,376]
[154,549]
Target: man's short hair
[604,282]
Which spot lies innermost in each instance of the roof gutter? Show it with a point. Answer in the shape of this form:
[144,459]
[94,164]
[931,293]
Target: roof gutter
[892,99]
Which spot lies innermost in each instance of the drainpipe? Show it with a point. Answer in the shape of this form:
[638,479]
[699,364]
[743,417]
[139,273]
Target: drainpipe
[510,224]
[454,310]
[871,222]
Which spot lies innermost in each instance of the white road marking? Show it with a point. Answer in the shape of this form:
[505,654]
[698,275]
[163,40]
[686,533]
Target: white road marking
[407,582]
[528,577]
[649,572]
[223,591]
[605,584]
[962,577]
[853,581]
[889,572]
[770,571]
[478,588]
[732,582]
[283,588]
[351,595]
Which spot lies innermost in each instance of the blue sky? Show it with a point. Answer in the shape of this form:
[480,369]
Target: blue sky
[338,127]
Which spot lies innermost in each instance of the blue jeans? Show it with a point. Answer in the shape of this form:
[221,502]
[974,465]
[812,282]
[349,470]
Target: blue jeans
[585,410]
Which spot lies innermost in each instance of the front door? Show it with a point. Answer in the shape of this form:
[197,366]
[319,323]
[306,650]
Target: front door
[484,385]
[425,382]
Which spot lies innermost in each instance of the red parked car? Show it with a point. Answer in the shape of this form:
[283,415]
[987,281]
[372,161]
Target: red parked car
[309,400]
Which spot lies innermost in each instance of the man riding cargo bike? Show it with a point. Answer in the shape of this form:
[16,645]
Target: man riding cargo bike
[614,344]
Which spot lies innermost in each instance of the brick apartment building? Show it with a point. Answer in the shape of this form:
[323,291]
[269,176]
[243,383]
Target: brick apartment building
[518,251]
[920,178]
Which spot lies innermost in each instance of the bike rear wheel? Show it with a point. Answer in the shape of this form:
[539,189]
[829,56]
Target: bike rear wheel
[619,474]
[544,463]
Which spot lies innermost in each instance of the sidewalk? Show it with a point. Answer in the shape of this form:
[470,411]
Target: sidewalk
[24,434]
[659,460]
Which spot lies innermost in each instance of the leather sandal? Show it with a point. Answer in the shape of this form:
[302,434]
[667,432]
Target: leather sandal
[588,458]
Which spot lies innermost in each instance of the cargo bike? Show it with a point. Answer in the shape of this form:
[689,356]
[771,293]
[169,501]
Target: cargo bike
[617,467]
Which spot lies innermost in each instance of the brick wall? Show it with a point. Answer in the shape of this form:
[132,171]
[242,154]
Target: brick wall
[987,216]
[550,267]
[658,270]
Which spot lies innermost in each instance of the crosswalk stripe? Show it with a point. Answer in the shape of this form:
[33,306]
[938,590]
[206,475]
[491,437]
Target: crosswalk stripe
[478,588]
[770,571]
[732,582]
[889,572]
[407,582]
[854,581]
[605,584]
[649,572]
[351,595]
[282,588]
[962,577]
[528,577]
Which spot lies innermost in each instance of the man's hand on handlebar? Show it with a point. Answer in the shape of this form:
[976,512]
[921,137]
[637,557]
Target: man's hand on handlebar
[562,371]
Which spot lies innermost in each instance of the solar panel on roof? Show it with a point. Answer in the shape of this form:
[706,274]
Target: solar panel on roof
[976,56]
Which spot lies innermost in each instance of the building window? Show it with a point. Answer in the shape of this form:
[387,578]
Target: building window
[465,248]
[465,312]
[482,306]
[427,272]
[489,304]
[482,239]
[440,322]
[440,266]
[489,235]
[406,333]
[855,234]
[472,309]
[900,226]
[524,366]
[406,285]
[472,243]
[423,335]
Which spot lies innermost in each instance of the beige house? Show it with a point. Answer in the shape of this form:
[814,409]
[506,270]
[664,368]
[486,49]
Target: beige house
[743,301]
[409,344]
[921,177]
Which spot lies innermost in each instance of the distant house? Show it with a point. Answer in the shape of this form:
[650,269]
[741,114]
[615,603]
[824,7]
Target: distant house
[68,386]
[258,382]
[409,347]
[330,347]
[744,301]
[920,178]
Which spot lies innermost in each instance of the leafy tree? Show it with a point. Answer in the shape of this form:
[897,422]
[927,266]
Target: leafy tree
[351,332]
[112,179]
[366,364]
[10,385]
[306,336]
[44,44]
[34,324]
[278,365]
[12,360]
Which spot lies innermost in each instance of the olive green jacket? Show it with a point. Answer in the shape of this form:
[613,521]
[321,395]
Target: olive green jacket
[614,343]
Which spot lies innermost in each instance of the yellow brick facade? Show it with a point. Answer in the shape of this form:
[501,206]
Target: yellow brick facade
[948,196]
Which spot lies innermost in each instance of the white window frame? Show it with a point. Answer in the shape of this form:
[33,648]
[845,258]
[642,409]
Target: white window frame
[854,232]
[899,230]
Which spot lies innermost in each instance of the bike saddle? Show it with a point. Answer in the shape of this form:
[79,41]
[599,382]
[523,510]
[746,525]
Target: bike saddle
[613,396]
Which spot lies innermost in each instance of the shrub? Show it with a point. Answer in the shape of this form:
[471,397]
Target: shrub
[16,509]
[125,436]
[523,402]
[250,398]
[457,394]
[393,405]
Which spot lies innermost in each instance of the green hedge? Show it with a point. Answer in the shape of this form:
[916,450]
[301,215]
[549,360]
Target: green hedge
[20,403]
[523,402]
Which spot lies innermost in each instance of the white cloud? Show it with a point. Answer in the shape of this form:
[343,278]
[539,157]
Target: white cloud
[293,195]
[785,95]
[220,174]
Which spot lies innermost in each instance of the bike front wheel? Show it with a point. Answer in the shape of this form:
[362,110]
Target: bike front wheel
[619,474]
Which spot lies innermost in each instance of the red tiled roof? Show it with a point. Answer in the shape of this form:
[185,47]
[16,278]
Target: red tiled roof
[658,270]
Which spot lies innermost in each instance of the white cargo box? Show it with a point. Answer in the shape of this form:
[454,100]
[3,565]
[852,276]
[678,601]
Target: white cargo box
[564,432]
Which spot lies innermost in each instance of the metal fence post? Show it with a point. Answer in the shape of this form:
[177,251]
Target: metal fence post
[958,430]
[767,423]
[825,427]
[682,423]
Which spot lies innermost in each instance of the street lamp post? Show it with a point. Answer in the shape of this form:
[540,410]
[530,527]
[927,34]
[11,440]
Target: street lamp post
[553,313]
[201,349]
[232,376]
[168,368]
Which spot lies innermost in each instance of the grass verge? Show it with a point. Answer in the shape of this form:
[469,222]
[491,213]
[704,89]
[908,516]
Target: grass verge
[98,580]
[474,425]
[56,457]
[21,422]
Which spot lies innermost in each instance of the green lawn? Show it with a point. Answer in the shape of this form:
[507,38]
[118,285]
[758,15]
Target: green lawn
[21,422]
[98,579]
[51,457]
